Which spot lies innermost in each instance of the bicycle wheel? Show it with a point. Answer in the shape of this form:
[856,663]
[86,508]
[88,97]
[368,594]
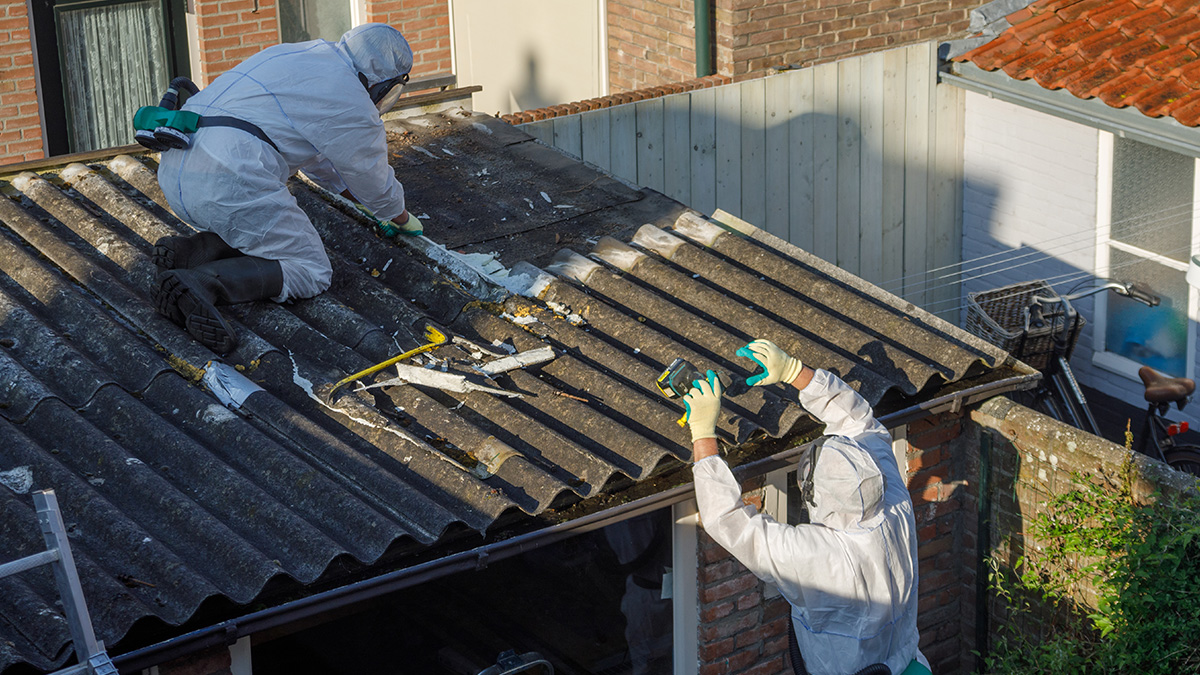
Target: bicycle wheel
[1185,458]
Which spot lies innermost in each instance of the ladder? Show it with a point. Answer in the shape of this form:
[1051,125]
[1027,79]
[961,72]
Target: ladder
[91,656]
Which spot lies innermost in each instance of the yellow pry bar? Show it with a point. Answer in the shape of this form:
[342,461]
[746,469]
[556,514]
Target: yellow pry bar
[435,337]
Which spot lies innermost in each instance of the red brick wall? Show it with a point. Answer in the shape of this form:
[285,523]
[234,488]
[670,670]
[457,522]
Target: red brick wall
[214,661]
[426,26]
[20,128]
[754,35]
[650,43]
[743,634]
[231,31]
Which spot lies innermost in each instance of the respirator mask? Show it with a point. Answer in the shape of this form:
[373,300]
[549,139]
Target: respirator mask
[385,94]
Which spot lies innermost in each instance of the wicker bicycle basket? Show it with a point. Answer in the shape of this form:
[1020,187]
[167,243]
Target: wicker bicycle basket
[998,316]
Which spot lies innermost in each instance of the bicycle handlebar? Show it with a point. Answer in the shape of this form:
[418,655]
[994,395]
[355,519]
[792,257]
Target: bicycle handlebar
[1127,289]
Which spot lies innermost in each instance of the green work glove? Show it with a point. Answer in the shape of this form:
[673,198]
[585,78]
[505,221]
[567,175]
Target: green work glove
[703,404]
[411,227]
[776,364]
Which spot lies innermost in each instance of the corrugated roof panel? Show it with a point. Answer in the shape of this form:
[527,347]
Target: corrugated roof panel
[174,500]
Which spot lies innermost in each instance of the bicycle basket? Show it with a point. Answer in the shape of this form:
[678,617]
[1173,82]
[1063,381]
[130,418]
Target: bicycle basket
[998,316]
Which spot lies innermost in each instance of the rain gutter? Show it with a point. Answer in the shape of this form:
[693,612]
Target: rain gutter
[1129,122]
[228,632]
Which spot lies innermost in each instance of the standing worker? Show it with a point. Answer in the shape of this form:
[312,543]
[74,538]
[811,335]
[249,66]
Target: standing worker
[312,105]
[850,573]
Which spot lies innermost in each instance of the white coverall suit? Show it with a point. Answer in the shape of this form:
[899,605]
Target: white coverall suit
[851,574]
[308,99]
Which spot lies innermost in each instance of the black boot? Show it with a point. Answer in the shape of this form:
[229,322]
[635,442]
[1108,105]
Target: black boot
[186,252]
[189,297]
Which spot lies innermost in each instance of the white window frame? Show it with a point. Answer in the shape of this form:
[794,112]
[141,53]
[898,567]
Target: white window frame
[1101,357]
[685,590]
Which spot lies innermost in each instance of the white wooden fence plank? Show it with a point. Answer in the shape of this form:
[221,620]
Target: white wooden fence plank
[649,135]
[800,153]
[568,134]
[623,142]
[754,147]
[825,136]
[848,163]
[919,105]
[677,149]
[946,210]
[775,186]
[870,216]
[895,70]
[595,132]
[704,150]
[729,149]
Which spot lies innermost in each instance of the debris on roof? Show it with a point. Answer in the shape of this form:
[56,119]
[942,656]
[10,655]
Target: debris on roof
[213,480]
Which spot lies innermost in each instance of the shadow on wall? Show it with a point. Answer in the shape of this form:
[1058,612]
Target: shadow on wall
[532,93]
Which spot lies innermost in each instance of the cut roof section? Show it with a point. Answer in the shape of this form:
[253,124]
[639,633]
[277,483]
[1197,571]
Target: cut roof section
[181,509]
[1141,53]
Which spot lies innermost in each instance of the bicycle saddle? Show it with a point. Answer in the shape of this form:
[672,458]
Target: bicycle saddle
[1163,389]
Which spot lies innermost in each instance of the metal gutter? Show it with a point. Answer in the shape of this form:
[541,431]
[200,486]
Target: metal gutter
[1128,122]
[228,632]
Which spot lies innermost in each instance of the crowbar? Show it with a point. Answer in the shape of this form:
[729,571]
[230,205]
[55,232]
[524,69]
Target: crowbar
[436,338]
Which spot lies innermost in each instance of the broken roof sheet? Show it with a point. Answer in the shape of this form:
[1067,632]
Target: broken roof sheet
[1140,53]
[182,509]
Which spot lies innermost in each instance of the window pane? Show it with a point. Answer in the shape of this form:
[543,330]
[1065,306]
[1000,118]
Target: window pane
[1151,336]
[106,80]
[301,20]
[1152,198]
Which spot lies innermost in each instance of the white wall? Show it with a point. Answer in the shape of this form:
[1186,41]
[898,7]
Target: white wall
[528,53]
[1031,179]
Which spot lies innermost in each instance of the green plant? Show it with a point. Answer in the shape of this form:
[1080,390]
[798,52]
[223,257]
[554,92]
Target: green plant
[1141,561]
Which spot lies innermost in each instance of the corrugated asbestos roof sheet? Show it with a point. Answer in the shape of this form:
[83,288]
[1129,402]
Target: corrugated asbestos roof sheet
[1140,53]
[177,504]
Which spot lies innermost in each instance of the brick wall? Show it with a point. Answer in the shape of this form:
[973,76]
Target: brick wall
[426,26]
[753,36]
[214,661]
[230,31]
[1032,457]
[741,633]
[650,43]
[20,128]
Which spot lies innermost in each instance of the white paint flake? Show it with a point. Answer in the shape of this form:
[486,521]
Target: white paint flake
[546,197]
[18,479]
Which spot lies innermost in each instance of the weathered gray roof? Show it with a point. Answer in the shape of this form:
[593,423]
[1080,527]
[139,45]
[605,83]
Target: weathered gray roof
[177,504]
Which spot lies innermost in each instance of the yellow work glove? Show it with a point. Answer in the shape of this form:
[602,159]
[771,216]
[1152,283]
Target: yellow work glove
[411,227]
[703,404]
[776,364]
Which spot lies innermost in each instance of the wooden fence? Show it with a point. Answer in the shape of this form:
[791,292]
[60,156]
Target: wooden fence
[858,161]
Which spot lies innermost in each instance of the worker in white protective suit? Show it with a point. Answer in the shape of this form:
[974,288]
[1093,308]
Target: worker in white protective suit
[312,106]
[850,573]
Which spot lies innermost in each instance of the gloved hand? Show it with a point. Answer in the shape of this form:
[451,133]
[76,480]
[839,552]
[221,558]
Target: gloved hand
[703,404]
[410,226]
[777,365]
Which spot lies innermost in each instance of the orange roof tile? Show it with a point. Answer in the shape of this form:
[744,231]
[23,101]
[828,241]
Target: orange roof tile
[1144,53]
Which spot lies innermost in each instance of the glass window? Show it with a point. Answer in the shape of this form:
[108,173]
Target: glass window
[301,20]
[1149,244]
[105,80]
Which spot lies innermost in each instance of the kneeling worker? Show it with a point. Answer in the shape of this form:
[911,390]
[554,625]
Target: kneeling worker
[312,106]
[850,574]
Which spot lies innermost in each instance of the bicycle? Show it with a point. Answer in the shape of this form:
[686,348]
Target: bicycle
[1158,433]
[1049,327]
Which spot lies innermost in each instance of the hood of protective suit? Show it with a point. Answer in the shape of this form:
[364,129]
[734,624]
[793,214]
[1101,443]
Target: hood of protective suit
[847,486]
[378,51]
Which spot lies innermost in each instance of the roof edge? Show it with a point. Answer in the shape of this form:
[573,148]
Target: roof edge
[1163,132]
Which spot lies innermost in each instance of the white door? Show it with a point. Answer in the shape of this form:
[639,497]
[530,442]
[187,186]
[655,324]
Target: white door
[529,54]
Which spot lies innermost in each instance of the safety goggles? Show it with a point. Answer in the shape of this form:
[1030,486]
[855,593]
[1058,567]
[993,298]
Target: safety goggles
[385,94]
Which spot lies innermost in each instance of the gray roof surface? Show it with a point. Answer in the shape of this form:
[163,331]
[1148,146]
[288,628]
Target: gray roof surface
[181,509]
